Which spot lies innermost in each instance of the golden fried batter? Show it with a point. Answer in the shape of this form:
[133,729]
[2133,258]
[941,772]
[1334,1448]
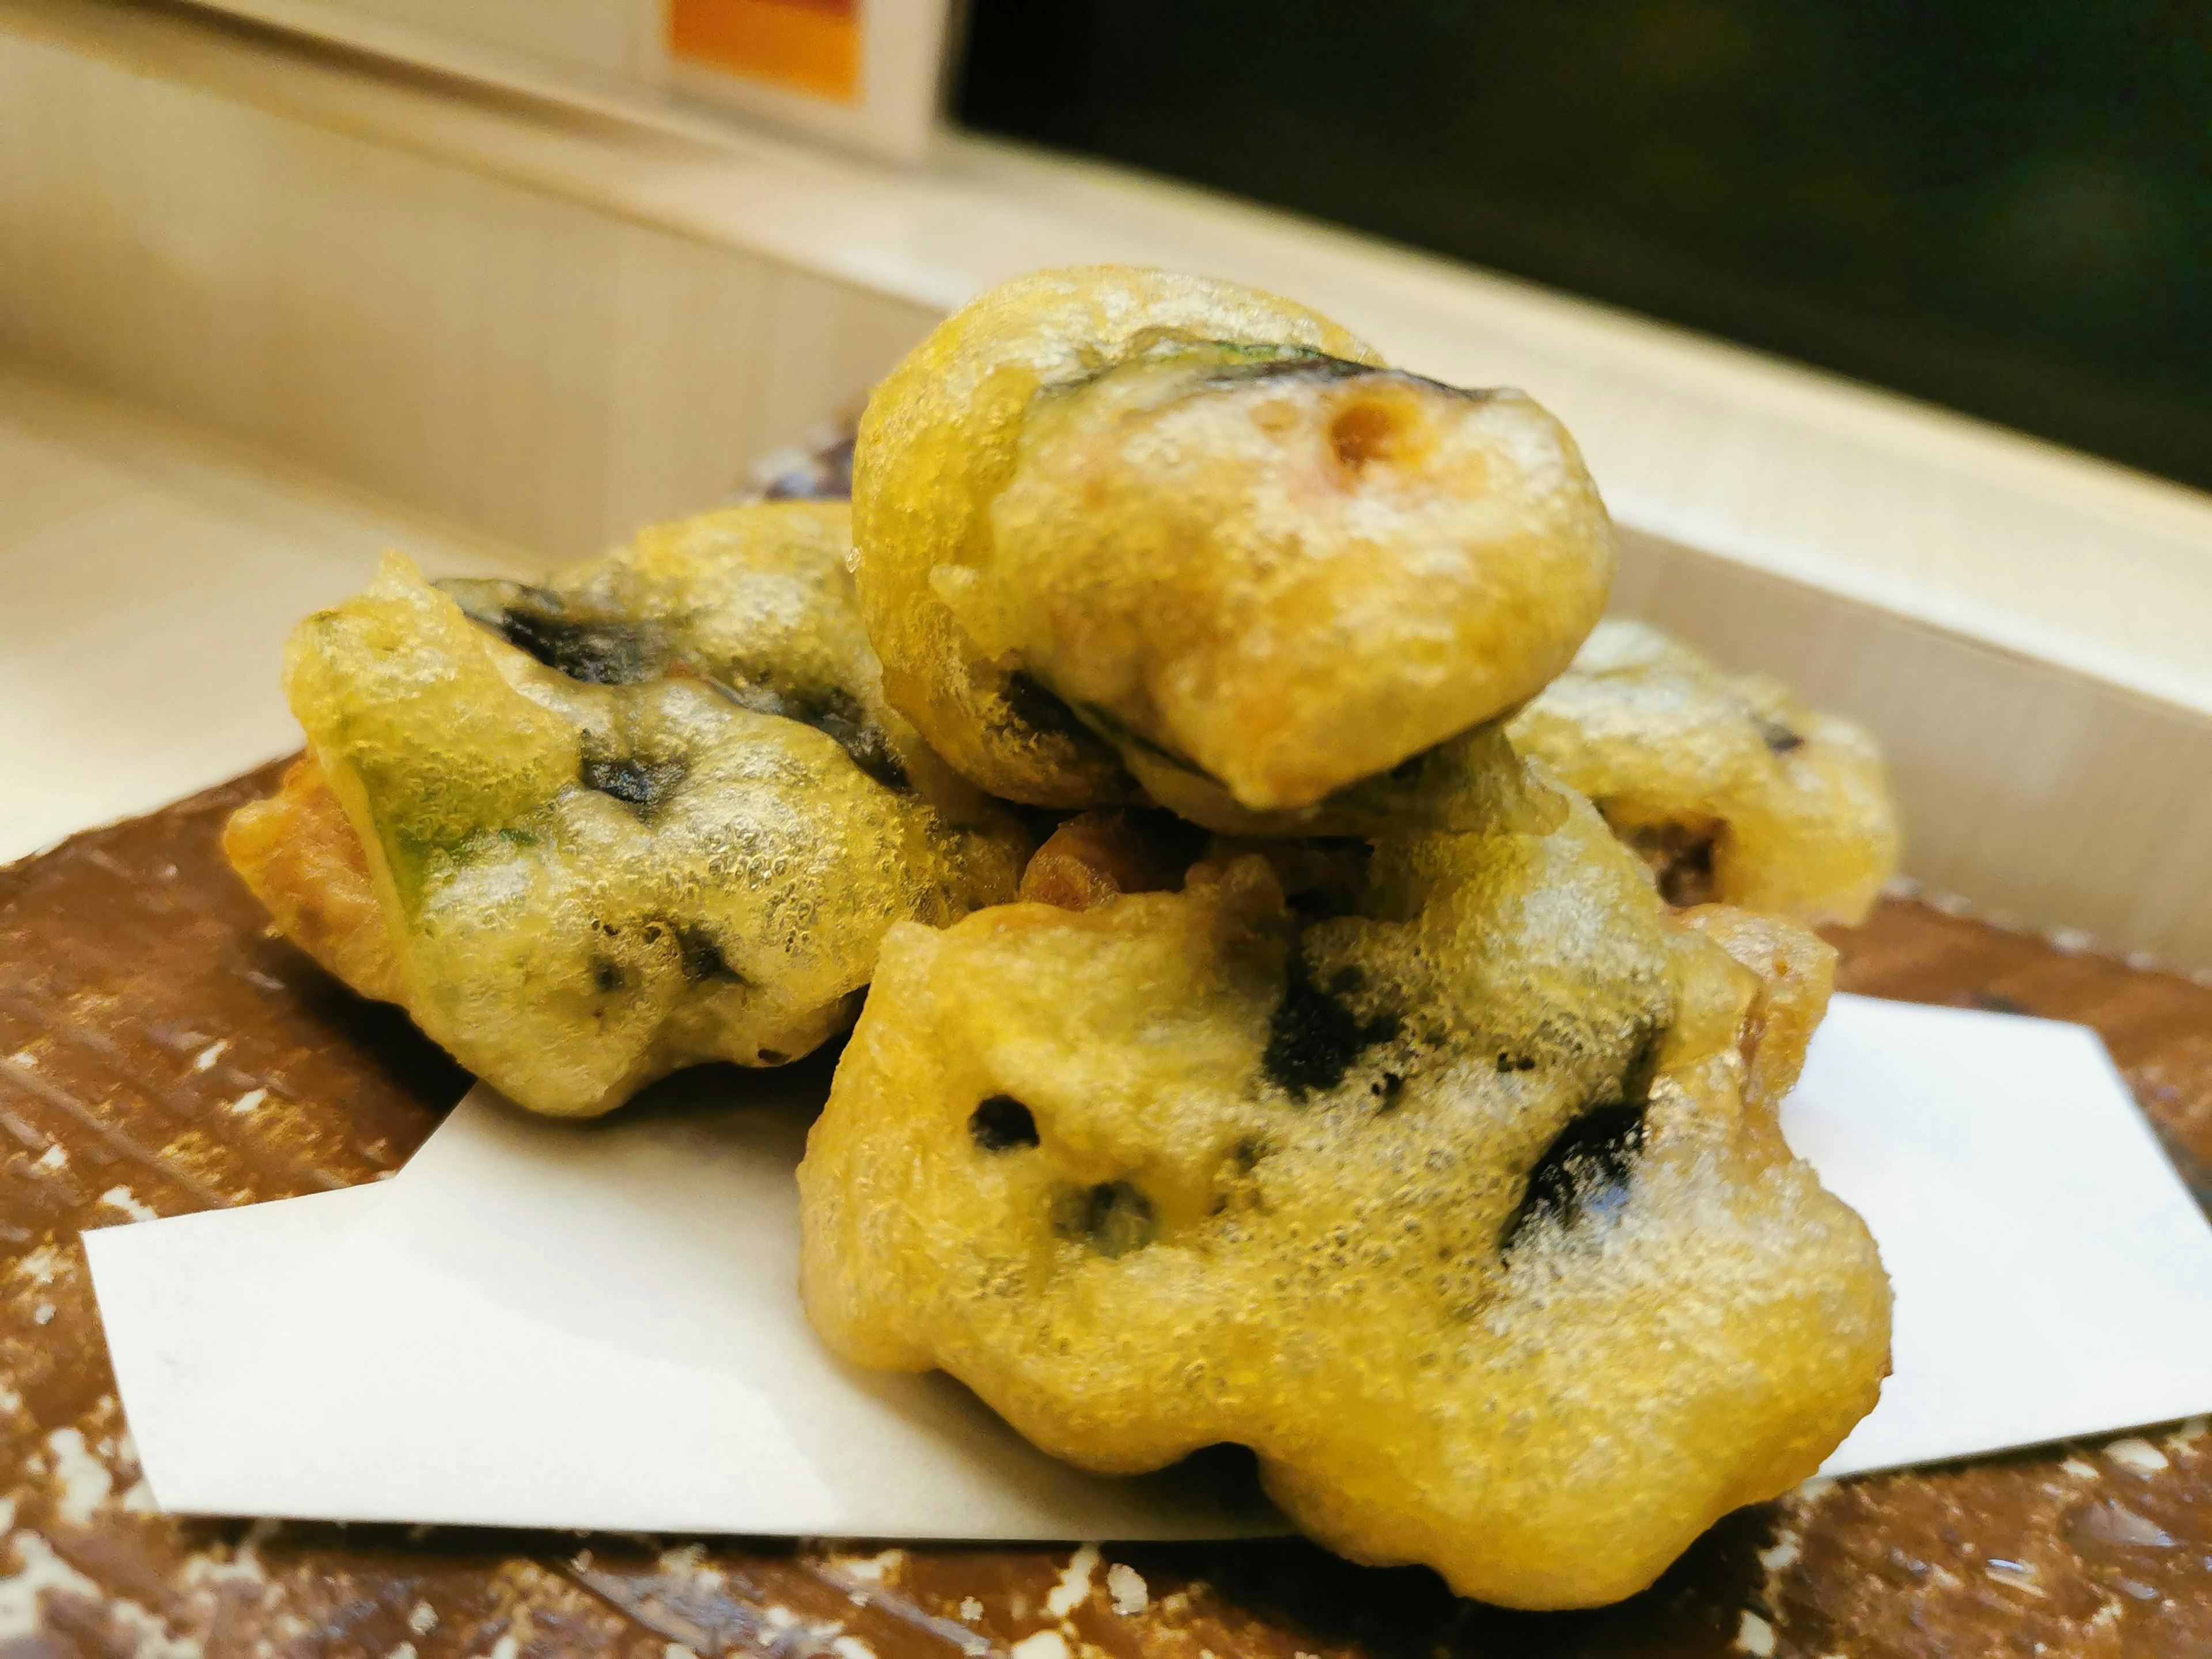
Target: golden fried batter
[1729,787]
[653,813]
[1098,856]
[1463,1207]
[1796,970]
[306,865]
[1204,525]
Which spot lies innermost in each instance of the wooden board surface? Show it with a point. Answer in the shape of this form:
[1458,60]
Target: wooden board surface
[160,1053]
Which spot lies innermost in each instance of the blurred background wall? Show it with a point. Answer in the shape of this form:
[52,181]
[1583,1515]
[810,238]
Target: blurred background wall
[2001,205]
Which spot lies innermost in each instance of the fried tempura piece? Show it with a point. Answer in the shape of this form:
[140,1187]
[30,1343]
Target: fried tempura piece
[1110,518]
[1796,970]
[1463,1207]
[306,865]
[653,813]
[1729,786]
[1097,856]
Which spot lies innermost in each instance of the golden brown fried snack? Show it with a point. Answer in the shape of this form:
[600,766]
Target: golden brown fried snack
[1112,518]
[1098,856]
[1796,970]
[306,865]
[1729,787]
[1463,1207]
[653,813]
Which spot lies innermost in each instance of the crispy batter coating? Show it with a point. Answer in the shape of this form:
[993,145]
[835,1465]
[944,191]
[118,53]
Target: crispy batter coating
[1205,526]
[1441,1181]
[306,865]
[1796,970]
[650,814]
[1097,856]
[1729,787]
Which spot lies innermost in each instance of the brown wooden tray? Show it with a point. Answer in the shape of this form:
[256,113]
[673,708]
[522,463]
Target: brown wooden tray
[161,1052]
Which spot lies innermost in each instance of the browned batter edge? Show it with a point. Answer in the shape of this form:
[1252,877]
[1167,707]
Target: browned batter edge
[159,1050]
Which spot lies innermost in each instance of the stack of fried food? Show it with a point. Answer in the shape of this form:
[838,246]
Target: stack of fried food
[1377,1063]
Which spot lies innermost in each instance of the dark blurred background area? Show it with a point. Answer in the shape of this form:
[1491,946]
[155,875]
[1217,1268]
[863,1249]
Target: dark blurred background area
[2004,206]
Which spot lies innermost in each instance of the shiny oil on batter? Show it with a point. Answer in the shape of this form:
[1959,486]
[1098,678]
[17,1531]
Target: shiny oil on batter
[1113,523]
[1729,786]
[651,813]
[1442,1170]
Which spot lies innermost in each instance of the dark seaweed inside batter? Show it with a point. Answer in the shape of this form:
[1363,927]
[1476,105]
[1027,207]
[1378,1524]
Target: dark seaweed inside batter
[1314,1038]
[1113,1218]
[1583,1174]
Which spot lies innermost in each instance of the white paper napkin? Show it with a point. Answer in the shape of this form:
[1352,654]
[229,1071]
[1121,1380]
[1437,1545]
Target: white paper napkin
[2053,1276]
[190,1302]
[549,1324]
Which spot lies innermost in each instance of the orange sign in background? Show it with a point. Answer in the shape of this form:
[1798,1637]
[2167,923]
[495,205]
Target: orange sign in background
[812,46]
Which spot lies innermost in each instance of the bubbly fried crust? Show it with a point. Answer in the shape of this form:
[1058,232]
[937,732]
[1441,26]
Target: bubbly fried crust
[1113,518]
[1731,788]
[1441,1181]
[652,813]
